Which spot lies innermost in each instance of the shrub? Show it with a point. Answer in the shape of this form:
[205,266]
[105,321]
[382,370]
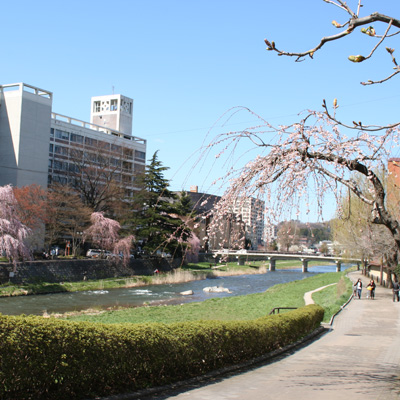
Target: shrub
[54,359]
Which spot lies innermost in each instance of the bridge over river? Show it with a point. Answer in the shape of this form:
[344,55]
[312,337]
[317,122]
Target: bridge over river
[272,257]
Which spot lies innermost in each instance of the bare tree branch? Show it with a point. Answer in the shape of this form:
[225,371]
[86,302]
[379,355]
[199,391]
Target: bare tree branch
[351,24]
[357,125]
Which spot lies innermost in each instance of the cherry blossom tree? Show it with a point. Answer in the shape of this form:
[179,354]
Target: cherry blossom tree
[123,247]
[300,164]
[12,231]
[304,162]
[192,252]
[104,232]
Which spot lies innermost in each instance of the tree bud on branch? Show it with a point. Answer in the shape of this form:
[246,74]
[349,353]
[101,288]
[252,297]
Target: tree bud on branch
[357,58]
[370,31]
[271,45]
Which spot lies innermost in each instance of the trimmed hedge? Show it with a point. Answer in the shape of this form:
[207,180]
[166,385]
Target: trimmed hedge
[55,359]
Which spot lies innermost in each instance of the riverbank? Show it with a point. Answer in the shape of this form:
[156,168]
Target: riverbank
[180,275]
[190,272]
[247,307]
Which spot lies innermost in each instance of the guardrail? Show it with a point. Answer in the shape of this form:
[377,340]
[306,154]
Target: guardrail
[281,308]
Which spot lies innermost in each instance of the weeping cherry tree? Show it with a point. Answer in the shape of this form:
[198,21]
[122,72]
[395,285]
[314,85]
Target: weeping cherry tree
[12,231]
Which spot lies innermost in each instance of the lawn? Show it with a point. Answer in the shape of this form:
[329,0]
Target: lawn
[238,307]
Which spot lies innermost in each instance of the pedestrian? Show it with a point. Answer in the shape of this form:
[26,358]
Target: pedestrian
[359,288]
[396,288]
[371,288]
[355,289]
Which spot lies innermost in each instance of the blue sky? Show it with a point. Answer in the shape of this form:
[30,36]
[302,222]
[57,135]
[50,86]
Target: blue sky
[185,63]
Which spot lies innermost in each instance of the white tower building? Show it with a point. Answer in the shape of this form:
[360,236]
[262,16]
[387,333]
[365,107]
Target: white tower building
[113,112]
[25,117]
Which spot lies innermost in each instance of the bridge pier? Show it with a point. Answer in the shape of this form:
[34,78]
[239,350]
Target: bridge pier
[338,266]
[272,264]
[305,265]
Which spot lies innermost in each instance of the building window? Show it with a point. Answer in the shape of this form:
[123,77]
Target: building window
[57,165]
[51,147]
[96,106]
[128,153]
[103,145]
[126,106]
[76,138]
[115,148]
[141,155]
[127,166]
[62,135]
[115,162]
[90,142]
[60,179]
[61,150]
[139,168]
[126,179]
[114,105]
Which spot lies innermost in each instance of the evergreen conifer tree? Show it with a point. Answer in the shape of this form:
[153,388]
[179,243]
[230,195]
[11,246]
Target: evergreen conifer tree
[157,212]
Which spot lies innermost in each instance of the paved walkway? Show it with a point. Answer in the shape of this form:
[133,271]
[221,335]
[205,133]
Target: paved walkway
[359,358]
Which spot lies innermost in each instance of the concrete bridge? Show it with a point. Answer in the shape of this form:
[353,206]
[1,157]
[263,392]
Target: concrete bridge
[273,257]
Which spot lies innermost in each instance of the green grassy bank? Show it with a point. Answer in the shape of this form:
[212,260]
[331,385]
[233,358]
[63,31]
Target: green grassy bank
[237,308]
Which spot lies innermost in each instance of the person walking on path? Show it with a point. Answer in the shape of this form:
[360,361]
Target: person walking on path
[396,288]
[371,288]
[359,288]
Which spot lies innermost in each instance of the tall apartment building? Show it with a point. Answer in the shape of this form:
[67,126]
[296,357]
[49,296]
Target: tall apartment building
[252,214]
[246,219]
[39,146]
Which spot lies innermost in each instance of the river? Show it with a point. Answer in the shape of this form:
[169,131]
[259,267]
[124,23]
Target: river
[152,294]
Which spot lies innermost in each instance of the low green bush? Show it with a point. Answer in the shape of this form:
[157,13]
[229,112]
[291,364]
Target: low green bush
[55,359]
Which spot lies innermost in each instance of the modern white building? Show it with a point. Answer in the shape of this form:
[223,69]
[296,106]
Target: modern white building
[251,211]
[271,233]
[39,146]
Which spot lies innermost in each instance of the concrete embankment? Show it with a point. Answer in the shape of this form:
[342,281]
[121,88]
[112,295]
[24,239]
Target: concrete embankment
[67,270]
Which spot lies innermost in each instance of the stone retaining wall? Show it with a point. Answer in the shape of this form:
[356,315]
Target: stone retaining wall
[61,270]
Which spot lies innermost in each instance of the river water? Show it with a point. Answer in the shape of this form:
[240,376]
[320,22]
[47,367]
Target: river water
[153,294]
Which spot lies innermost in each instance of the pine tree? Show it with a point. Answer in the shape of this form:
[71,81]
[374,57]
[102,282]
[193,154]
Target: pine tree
[156,216]
[184,205]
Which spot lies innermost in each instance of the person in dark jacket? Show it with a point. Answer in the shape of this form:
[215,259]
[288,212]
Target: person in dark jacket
[396,288]
[371,288]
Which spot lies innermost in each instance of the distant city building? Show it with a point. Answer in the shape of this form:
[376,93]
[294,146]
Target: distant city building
[245,221]
[251,211]
[38,146]
[270,233]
